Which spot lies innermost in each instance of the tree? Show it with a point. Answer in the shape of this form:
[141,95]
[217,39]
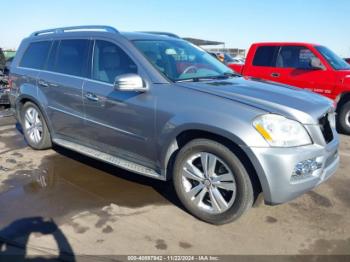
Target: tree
[2,60]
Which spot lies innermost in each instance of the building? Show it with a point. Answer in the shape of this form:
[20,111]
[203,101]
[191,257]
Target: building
[232,51]
[207,45]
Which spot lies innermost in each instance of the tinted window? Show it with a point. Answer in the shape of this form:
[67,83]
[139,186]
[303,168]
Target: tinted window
[265,56]
[52,56]
[72,56]
[36,54]
[294,57]
[110,61]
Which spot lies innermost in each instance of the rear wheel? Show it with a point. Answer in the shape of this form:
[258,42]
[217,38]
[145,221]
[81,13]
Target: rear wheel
[211,182]
[344,118]
[34,127]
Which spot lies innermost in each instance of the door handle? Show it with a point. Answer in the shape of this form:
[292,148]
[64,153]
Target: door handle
[53,85]
[275,75]
[91,97]
[43,83]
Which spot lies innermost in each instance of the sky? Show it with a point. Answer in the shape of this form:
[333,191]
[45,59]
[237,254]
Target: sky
[238,23]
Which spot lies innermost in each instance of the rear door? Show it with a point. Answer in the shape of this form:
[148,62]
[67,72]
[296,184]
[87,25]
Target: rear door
[61,86]
[293,67]
[262,64]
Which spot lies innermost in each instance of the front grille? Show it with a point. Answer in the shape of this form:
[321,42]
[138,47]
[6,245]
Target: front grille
[326,128]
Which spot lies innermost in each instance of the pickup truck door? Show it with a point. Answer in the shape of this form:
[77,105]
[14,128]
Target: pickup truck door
[262,63]
[293,68]
[120,123]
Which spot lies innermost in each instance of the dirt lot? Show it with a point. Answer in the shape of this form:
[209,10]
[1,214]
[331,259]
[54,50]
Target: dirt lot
[58,201]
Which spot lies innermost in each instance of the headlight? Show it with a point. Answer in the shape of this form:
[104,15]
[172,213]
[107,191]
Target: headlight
[279,131]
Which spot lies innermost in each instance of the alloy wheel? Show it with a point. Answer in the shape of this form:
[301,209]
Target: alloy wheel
[33,125]
[208,182]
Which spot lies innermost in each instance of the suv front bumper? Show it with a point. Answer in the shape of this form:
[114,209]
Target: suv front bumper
[275,167]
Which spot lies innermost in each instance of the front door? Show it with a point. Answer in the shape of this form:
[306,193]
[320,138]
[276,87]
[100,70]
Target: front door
[120,123]
[293,66]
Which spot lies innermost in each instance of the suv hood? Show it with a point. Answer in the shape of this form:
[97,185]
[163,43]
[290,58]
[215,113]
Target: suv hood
[291,102]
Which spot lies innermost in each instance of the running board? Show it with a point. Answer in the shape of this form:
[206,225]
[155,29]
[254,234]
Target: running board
[116,161]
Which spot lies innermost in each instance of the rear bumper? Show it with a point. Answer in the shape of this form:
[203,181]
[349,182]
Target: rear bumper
[276,166]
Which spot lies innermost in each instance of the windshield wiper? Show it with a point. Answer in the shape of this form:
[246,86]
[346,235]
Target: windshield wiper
[225,75]
[197,79]
[231,74]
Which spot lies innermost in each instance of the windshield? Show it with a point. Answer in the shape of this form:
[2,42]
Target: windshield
[334,60]
[181,60]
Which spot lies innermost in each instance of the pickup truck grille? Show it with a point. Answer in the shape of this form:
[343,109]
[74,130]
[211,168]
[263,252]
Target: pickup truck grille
[326,128]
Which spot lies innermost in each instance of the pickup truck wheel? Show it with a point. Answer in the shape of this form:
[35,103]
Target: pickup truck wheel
[344,118]
[211,182]
[34,127]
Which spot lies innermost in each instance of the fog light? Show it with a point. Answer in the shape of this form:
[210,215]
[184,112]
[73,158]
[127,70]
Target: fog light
[305,168]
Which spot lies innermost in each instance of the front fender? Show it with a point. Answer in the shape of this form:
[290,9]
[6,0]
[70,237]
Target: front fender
[241,139]
[238,130]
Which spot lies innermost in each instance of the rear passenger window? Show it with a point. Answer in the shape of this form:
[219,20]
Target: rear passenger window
[72,57]
[265,56]
[36,54]
[110,61]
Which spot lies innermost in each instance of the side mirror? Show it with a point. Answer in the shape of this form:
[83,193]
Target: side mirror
[129,83]
[316,63]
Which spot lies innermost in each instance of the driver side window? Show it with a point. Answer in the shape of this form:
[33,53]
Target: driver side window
[110,61]
[298,57]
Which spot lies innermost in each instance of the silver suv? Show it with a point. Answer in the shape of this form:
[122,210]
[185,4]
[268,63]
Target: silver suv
[162,107]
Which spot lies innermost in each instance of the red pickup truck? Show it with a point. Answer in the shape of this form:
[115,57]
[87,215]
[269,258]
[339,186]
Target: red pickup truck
[309,66]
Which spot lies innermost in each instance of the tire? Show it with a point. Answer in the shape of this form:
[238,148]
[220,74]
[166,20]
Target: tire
[34,127]
[197,194]
[344,118]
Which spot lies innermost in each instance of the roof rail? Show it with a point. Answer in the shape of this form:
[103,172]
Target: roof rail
[75,28]
[161,33]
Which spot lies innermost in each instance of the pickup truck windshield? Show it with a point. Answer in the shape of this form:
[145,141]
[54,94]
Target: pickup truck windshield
[334,60]
[181,60]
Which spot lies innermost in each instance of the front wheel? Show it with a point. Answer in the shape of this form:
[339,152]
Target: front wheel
[344,118]
[34,127]
[211,182]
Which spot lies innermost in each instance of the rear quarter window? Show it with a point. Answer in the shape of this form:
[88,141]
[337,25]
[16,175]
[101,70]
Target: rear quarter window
[265,56]
[36,54]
